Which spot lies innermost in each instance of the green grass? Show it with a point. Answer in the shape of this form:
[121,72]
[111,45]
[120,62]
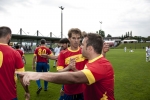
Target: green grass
[133,45]
[53,89]
[132,80]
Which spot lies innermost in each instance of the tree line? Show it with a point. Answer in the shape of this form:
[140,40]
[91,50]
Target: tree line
[127,35]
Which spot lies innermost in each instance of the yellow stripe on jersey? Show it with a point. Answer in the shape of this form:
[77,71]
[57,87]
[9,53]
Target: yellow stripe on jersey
[60,67]
[20,70]
[1,59]
[51,54]
[90,61]
[73,50]
[78,58]
[15,78]
[89,76]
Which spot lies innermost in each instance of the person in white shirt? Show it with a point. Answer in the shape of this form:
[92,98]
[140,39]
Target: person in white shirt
[56,52]
[22,49]
[125,49]
[148,54]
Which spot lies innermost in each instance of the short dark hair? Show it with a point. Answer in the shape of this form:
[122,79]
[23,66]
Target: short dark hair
[96,41]
[64,40]
[75,31]
[4,31]
[17,46]
[43,41]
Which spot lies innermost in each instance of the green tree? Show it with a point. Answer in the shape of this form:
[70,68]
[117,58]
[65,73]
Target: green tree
[128,34]
[101,32]
[109,35]
[131,33]
[122,37]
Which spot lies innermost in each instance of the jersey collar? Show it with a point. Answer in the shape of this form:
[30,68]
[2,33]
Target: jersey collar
[3,44]
[73,50]
[100,56]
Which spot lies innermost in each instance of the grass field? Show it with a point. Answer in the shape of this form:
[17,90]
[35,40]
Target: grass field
[132,77]
[133,45]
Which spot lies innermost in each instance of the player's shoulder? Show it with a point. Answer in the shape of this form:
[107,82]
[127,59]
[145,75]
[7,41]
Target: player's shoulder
[37,48]
[103,61]
[63,52]
[15,52]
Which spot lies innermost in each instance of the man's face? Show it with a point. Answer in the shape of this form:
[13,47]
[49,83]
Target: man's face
[84,48]
[64,45]
[75,40]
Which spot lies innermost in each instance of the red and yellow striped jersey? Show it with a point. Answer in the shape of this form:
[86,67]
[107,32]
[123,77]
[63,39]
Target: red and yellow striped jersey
[42,50]
[100,75]
[64,60]
[10,60]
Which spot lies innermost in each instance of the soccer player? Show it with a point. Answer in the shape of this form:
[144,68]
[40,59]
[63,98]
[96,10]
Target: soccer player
[22,49]
[64,43]
[97,75]
[74,51]
[125,49]
[21,53]
[41,63]
[10,60]
[148,54]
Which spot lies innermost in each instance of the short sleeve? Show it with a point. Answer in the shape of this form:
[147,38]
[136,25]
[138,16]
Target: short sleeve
[61,61]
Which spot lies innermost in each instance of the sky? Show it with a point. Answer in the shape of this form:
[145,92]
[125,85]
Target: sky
[117,16]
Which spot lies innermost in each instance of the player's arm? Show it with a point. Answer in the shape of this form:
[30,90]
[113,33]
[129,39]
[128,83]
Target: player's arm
[71,66]
[105,49]
[59,78]
[24,59]
[21,79]
[64,69]
[67,69]
[34,58]
[24,86]
[27,94]
[33,63]
[61,63]
[20,68]
[51,56]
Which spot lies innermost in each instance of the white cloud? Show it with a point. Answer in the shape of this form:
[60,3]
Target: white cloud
[117,16]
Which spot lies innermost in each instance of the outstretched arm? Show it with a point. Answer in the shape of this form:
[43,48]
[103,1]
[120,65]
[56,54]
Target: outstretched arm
[59,78]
